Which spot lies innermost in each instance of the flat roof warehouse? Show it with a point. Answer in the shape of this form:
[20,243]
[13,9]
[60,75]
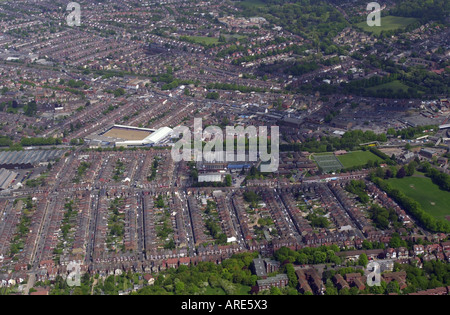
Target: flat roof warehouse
[27,159]
[6,178]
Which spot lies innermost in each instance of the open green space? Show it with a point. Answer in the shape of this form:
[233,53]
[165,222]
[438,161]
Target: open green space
[214,291]
[235,36]
[252,3]
[243,290]
[203,40]
[395,86]
[358,158]
[432,199]
[329,162]
[388,23]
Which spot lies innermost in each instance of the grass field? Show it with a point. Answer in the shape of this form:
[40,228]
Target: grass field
[433,200]
[127,134]
[330,163]
[388,23]
[236,36]
[252,3]
[214,291]
[241,290]
[394,86]
[358,158]
[204,40]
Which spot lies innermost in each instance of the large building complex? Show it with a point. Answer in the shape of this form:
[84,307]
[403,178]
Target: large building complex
[27,159]
[129,136]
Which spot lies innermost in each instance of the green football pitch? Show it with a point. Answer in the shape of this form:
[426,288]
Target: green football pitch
[358,158]
[433,200]
[388,23]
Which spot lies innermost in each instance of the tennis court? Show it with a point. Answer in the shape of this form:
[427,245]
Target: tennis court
[328,163]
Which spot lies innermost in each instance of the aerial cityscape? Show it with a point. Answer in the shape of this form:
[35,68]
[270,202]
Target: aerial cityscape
[224,147]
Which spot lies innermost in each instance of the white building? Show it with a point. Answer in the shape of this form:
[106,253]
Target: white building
[157,137]
[209,178]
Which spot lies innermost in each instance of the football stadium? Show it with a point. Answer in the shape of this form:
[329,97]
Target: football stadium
[129,136]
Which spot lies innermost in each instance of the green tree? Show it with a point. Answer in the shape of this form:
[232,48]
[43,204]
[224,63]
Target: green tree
[290,271]
[179,287]
[363,260]
[411,168]
[275,291]
[393,287]
[228,180]
[401,173]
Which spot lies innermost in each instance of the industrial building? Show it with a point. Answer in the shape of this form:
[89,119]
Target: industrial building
[210,178]
[216,166]
[27,159]
[6,178]
[429,154]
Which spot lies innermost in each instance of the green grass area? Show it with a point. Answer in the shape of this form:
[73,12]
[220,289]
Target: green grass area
[395,86]
[243,290]
[329,163]
[388,23]
[321,154]
[214,291]
[203,40]
[358,158]
[252,3]
[433,200]
[235,36]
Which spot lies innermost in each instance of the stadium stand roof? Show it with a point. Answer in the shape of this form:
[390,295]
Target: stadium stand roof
[152,139]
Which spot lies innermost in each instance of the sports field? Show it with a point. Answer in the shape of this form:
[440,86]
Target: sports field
[203,40]
[358,158]
[127,134]
[328,163]
[388,23]
[433,200]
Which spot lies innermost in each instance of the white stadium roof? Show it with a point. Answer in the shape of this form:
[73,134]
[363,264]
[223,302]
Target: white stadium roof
[159,135]
[154,138]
